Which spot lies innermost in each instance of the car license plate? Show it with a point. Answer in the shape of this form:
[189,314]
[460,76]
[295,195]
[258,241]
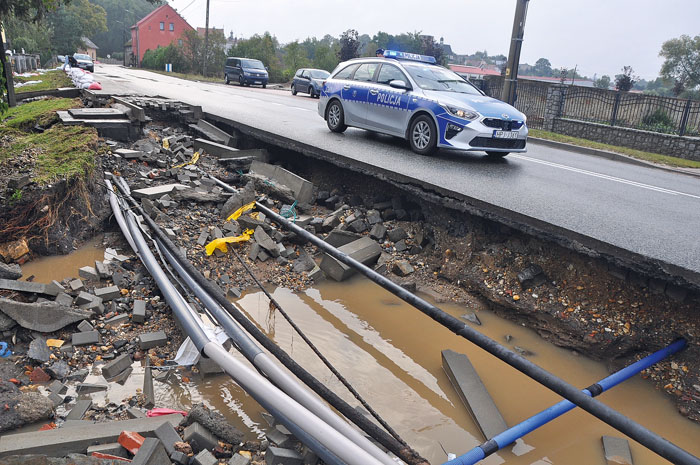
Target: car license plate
[258,82]
[505,134]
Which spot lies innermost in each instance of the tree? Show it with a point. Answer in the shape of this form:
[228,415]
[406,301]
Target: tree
[294,58]
[264,48]
[543,67]
[682,60]
[625,81]
[72,21]
[603,82]
[349,45]
[121,15]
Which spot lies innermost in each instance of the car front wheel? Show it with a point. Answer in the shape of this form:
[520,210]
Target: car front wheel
[226,80]
[240,81]
[335,117]
[294,89]
[497,154]
[422,135]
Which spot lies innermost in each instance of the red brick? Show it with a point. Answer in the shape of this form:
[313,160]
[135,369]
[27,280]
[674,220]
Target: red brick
[39,376]
[100,455]
[131,441]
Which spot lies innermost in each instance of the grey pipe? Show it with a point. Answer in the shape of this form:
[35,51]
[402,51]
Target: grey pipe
[266,393]
[264,363]
[299,418]
[116,208]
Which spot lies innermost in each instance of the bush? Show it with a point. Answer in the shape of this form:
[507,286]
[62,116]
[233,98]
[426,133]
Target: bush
[658,121]
[156,59]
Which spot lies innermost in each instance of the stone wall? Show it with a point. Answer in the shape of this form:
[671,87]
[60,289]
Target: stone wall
[667,144]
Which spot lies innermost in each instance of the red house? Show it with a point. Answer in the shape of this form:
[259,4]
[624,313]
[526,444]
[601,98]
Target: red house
[160,27]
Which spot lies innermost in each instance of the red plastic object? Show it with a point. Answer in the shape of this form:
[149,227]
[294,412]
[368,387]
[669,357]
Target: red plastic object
[95,86]
[156,412]
[100,455]
[131,441]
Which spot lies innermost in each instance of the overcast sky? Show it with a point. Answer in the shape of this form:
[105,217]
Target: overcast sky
[600,36]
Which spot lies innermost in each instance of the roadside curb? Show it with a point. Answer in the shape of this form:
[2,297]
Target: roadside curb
[612,156]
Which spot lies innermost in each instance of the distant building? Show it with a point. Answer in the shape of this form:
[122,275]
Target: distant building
[212,30]
[475,72]
[159,28]
[231,42]
[88,48]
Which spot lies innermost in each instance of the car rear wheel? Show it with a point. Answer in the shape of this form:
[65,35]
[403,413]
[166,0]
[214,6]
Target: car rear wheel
[264,85]
[312,94]
[335,117]
[422,135]
[240,81]
[226,78]
[497,154]
[294,89]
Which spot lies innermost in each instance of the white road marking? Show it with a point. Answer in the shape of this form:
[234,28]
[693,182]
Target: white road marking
[604,176]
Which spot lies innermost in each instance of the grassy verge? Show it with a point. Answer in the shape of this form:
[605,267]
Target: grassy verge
[647,156]
[59,152]
[41,112]
[49,80]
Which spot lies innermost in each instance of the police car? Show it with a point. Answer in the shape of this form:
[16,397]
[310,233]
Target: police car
[410,96]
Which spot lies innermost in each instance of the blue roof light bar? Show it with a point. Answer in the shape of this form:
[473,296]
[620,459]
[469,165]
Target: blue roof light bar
[409,56]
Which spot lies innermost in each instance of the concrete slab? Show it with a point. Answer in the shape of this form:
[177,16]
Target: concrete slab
[211,132]
[79,409]
[44,317]
[229,153]
[151,452]
[364,250]
[26,286]
[617,451]
[473,393]
[157,192]
[63,441]
[139,313]
[97,113]
[302,188]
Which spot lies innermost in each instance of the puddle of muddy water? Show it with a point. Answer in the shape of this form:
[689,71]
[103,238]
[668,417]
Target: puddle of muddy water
[390,352]
[58,267]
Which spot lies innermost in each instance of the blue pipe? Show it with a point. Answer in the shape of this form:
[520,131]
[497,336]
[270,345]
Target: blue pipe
[509,436]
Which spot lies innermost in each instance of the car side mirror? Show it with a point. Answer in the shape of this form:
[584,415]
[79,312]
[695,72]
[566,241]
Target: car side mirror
[399,84]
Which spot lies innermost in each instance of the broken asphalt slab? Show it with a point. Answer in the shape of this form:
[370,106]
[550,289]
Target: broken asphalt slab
[44,317]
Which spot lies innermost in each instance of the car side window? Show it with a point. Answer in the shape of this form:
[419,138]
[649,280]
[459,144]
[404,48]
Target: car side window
[346,72]
[300,72]
[303,74]
[365,72]
[390,73]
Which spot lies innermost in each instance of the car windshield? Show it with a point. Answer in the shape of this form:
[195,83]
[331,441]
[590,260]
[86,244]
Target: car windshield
[431,77]
[254,64]
[319,74]
[80,56]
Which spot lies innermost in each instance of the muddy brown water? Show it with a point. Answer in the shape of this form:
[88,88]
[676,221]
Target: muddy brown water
[390,352]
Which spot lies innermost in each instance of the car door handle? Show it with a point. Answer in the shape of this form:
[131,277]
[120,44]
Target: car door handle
[374,91]
[346,87]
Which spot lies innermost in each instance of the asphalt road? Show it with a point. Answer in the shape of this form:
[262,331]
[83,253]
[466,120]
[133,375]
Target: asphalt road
[647,211]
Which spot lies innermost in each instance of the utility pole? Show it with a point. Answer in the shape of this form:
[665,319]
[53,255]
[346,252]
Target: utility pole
[206,42]
[7,69]
[510,84]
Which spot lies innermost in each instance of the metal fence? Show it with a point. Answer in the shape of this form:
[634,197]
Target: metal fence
[638,111]
[531,98]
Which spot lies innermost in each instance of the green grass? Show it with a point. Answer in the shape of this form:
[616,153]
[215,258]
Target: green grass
[62,152]
[647,156]
[41,112]
[49,80]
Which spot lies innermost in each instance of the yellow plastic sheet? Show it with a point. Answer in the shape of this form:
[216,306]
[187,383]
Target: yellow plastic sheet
[237,214]
[221,243]
[193,160]
[166,143]
[54,342]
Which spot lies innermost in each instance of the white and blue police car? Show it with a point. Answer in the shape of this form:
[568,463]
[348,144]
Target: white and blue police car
[410,96]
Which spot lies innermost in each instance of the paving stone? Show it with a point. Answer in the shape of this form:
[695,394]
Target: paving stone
[617,451]
[116,366]
[199,437]
[38,350]
[76,285]
[133,412]
[239,459]
[150,340]
[279,456]
[302,189]
[204,458]
[180,458]
[364,250]
[58,286]
[101,269]
[378,232]
[85,326]
[207,366]
[87,388]
[94,306]
[107,293]
[55,399]
[148,392]
[89,273]
[280,438]
[153,193]
[84,338]
[117,320]
[58,387]
[44,317]
[139,313]
[64,299]
[168,436]
[60,369]
[79,409]
[151,452]
[266,242]
[396,234]
[402,268]
[112,448]
[84,298]
[129,154]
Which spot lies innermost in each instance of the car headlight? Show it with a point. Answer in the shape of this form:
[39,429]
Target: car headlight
[461,112]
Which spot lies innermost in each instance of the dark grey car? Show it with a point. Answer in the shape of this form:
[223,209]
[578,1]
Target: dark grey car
[245,71]
[309,81]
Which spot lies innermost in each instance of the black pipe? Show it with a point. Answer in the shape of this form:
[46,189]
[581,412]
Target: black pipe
[639,433]
[405,453]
